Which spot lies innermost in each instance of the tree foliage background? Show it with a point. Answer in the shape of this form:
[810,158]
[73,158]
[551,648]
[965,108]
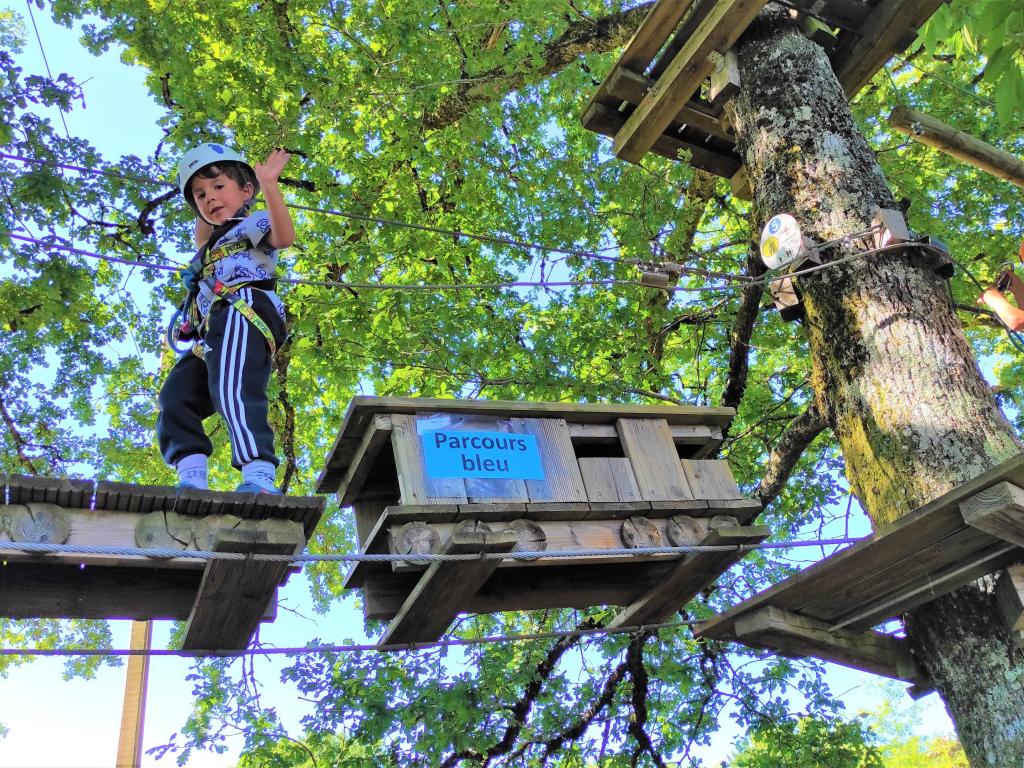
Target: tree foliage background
[462,117]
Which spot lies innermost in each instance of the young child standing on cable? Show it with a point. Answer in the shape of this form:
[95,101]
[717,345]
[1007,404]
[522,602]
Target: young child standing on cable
[233,316]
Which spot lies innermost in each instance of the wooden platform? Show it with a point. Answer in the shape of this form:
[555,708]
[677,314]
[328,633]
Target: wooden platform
[829,609]
[608,477]
[223,601]
[666,92]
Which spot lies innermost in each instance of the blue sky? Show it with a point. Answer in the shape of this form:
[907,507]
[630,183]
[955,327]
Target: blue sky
[75,724]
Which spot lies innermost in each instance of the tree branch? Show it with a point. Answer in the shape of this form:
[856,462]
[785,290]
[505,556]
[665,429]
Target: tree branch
[19,442]
[637,670]
[574,731]
[521,709]
[787,451]
[581,37]
[739,337]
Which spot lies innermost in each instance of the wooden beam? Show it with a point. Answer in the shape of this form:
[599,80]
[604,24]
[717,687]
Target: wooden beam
[998,510]
[696,571]
[796,635]
[133,710]
[724,22]
[725,78]
[1010,597]
[934,133]
[891,26]
[558,586]
[446,587]
[848,15]
[561,536]
[234,594]
[653,32]
[626,85]
[374,439]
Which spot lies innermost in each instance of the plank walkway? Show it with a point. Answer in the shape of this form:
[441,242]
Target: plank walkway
[972,531]
[223,601]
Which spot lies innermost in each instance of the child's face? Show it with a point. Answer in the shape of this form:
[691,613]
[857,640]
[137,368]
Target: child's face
[219,198]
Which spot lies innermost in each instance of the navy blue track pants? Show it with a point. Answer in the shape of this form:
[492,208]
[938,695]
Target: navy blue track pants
[230,380]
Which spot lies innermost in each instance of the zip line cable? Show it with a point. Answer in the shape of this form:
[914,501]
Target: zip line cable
[425,558]
[46,63]
[353,647]
[494,239]
[738,280]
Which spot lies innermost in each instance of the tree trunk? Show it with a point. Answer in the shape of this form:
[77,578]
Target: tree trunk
[892,370]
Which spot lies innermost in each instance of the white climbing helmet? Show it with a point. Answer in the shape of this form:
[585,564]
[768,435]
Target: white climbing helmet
[198,158]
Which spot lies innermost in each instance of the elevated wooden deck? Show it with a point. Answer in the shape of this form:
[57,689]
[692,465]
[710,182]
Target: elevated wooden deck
[828,609]
[667,91]
[609,477]
[223,601]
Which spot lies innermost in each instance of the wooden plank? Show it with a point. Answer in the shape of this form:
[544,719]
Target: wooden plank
[710,479]
[938,583]
[133,710]
[934,133]
[367,514]
[234,594]
[818,32]
[891,27]
[693,573]
[724,22]
[1010,597]
[374,439]
[652,33]
[848,15]
[443,591]
[725,78]
[631,87]
[609,122]
[56,590]
[890,578]
[891,544]
[648,446]
[998,510]
[608,479]
[796,635]
[491,512]
[526,590]
[409,462]
[682,434]
[562,480]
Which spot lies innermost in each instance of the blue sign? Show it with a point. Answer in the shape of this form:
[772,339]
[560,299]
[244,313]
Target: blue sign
[457,453]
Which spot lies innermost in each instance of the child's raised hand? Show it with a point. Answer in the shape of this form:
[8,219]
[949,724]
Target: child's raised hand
[269,171]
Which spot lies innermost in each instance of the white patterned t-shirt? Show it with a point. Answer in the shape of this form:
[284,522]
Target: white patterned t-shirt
[249,259]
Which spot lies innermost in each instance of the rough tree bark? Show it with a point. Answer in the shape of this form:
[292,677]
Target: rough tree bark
[893,373]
